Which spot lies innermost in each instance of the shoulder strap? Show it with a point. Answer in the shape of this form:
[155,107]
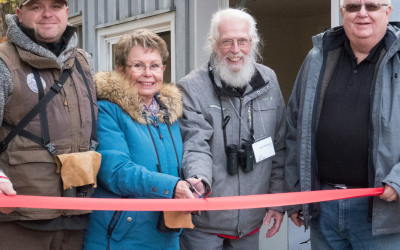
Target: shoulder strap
[93,140]
[225,120]
[154,143]
[54,90]
[167,121]
[43,116]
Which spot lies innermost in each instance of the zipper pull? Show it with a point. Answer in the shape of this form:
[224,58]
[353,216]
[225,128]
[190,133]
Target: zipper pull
[249,116]
[240,107]
[158,128]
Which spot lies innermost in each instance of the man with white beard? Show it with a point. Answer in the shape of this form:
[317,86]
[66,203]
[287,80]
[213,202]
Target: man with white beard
[233,128]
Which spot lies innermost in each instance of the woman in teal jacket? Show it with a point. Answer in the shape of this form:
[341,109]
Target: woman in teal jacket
[140,144]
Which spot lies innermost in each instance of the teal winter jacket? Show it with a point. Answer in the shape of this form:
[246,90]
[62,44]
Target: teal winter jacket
[129,165]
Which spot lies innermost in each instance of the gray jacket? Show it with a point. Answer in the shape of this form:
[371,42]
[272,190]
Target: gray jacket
[304,108]
[204,152]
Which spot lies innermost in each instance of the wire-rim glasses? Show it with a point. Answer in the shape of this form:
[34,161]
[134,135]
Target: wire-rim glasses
[228,43]
[141,67]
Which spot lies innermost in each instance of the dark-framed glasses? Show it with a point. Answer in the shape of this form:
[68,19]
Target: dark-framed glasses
[228,43]
[141,67]
[369,6]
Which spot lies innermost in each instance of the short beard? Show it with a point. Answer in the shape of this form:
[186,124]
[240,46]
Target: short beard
[235,76]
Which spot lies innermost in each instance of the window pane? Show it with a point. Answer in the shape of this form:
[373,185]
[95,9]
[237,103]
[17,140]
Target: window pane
[80,36]
[167,38]
[113,56]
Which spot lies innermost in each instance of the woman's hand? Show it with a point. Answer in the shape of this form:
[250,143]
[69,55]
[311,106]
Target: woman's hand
[182,191]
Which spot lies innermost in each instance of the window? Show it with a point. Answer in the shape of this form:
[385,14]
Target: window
[162,24]
[166,36]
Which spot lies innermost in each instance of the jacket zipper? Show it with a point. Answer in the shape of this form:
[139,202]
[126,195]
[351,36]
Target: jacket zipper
[240,123]
[314,175]
[113,223]
[249,115]
[158,128]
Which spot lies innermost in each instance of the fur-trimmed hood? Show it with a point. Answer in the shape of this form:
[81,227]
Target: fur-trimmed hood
[114,87]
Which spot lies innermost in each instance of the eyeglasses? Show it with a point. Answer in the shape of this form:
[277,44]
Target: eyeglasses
[356,7]
[228,43]
[141,67]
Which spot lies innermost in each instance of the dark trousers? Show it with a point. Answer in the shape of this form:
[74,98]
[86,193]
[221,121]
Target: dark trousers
[16,237]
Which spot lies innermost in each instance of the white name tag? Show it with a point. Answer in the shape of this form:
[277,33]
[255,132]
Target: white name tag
[263,149]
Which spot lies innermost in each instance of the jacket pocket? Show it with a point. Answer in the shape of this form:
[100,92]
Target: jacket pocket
[265,103]
[33,172]
[217,108]
[28,156]
[214,118]
[264,117]
[125,222]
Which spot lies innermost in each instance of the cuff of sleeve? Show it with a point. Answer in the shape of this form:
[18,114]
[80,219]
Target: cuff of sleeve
[162,186]
[4,178]
[277,209]
[392,184]
[207,185]
[173,195]
[293,209]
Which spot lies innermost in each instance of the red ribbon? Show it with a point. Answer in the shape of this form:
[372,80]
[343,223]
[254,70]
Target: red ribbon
[218,203]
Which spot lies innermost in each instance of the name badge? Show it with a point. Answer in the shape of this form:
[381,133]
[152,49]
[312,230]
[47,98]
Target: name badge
[263,149]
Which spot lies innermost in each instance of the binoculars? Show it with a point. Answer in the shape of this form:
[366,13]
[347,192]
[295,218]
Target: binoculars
[163,228]
[82,191]
[236,157]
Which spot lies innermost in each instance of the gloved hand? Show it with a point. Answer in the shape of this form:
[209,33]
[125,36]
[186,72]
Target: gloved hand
[6,188]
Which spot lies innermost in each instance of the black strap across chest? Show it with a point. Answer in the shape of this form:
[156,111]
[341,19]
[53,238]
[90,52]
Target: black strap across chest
[225,120]
[167,122]
[40,108]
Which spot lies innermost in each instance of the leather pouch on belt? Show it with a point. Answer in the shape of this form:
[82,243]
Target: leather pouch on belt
[78,169]
[175,219]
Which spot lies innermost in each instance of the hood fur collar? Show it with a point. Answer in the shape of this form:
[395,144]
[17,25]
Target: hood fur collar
[113,87]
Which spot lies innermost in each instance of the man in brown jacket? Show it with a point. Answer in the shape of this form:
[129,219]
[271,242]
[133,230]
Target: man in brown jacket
[41,47]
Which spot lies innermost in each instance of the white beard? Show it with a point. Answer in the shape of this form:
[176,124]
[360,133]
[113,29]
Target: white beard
[236,76]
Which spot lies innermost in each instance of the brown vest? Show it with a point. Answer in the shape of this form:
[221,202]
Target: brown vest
[30,167]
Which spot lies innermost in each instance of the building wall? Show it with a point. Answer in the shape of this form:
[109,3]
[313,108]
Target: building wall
[104,13]
[395,11]
[190,25]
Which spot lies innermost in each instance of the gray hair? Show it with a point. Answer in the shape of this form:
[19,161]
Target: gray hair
[387,1]
[213,34]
